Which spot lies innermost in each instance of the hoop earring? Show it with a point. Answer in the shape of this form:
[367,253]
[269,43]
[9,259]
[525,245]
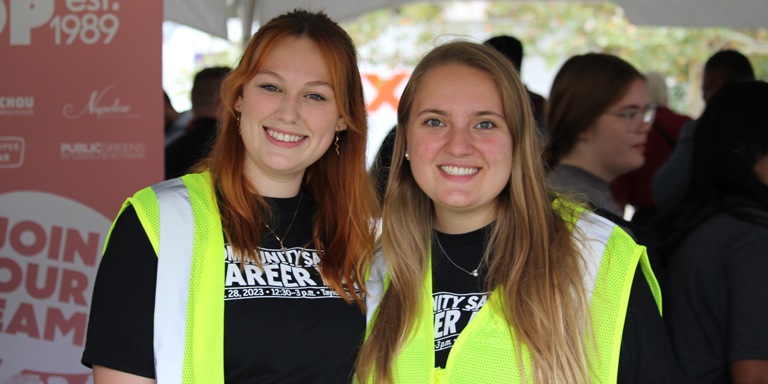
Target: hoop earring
[336,143]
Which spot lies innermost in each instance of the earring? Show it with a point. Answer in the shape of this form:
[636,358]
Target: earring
[237,117]
[336,143]
[406,157]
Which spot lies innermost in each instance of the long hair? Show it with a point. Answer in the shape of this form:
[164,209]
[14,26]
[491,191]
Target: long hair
[584,87]
[731,136]
[347,204]
[535,261]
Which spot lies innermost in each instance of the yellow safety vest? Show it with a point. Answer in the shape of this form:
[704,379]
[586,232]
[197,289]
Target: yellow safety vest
[181,219]
[484,351]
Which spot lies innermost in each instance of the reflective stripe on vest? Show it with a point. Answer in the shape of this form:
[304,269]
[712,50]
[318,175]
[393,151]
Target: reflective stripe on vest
[181,219]
[176,239]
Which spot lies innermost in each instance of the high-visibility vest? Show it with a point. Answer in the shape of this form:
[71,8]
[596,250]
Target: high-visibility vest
[181,219]
[485,350]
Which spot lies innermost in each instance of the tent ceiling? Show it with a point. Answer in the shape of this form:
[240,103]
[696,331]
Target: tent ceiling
[210,15]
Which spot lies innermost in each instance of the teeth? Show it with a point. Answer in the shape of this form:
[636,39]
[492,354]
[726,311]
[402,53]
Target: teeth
[459,171]
[283,137]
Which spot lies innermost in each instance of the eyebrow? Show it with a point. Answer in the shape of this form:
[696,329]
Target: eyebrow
[311,83]
[444,113]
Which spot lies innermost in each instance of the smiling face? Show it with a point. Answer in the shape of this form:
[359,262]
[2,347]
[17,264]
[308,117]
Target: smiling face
[459,146]
[615,143]
[288,116]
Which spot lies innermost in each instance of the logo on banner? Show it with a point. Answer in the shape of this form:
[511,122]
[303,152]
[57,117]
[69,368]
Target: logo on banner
[11,151]
[100,104]
[102,151]
[17,105]
[84,21]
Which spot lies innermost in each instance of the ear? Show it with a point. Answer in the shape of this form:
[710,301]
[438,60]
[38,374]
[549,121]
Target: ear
[239,104]
[586,134]
[340,126]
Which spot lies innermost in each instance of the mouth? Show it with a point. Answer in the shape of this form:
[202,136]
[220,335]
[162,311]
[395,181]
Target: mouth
[284,137]
[459,171]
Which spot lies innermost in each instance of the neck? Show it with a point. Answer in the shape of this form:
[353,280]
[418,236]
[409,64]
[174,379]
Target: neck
[576,161]
[453,222]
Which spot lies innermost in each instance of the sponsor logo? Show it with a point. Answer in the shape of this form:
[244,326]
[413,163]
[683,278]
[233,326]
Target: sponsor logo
[102,151]
[39,377]
[101,105]
[11,151]
[17,105]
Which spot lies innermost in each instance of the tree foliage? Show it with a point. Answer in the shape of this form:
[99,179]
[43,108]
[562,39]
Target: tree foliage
[397,38]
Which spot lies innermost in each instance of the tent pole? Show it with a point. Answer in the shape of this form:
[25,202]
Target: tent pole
[248,11]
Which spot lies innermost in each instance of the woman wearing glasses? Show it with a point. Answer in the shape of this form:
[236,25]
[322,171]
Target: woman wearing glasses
[597,119]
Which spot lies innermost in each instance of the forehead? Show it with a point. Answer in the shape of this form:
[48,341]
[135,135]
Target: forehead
[457,86]
[636,95]
[296,57]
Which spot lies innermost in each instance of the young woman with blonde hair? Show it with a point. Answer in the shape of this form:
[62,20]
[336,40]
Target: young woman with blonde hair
[489,278]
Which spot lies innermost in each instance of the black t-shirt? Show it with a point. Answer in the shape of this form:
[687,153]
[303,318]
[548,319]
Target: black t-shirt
[646,353]
[717,302]
[280,324]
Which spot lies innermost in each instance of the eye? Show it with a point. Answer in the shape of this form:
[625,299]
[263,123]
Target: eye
[631,114]
[269,88]
[433,123]
[316,97]
[485,125]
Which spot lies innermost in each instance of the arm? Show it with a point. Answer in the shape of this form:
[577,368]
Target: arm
[120,324]
[747,340]
[104,375]
[749,371]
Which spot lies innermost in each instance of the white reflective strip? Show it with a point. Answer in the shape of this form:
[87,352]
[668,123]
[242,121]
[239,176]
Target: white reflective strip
[375,284]
[594,232]
[174,266]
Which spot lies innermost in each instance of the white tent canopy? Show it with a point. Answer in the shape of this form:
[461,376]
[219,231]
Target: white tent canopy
[211,15]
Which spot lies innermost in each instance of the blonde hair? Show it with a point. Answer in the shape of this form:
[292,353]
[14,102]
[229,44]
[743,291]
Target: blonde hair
[346,201]
[535,261]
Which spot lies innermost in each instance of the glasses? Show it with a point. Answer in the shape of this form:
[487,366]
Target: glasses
[634,115]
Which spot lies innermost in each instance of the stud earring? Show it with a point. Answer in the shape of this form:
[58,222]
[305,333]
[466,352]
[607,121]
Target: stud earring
[406,157]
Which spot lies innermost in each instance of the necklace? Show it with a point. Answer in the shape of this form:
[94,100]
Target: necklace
[474,272]
[280,239]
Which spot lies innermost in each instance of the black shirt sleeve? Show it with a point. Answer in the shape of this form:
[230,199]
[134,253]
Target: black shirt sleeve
[120,327]
[646,352]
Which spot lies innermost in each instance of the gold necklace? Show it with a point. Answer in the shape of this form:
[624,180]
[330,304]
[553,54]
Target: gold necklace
[475,272]
[280,239]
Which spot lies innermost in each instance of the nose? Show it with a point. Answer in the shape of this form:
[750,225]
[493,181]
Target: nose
[288,110]
[459,141]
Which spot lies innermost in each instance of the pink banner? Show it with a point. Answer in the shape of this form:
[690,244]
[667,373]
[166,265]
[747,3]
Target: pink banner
[80,130]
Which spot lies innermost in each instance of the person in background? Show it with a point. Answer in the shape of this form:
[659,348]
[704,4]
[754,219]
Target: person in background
[251,269]
[634,188]
[176,123]
[200,135]
[170,114]
[512,48]
[598,118]
[671,178]
[490,280]
[716,299]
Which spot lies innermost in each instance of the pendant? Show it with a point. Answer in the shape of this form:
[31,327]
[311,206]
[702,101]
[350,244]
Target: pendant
[474,273]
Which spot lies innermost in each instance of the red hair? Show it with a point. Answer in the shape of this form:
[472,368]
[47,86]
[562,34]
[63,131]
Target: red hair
[344,225]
